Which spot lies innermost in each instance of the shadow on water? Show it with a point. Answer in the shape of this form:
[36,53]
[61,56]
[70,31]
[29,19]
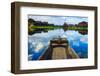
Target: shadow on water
[83,32]
[37,31]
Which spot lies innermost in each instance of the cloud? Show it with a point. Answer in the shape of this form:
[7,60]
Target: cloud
[38,47]
[59,20]
[40,18]
[84,39]
[75,20]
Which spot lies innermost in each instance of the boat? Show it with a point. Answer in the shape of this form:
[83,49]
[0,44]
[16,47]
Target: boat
[59,49]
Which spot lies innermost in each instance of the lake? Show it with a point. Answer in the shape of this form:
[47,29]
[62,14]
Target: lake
[39,42]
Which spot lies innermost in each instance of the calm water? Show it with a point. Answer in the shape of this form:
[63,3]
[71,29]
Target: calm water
[39,42]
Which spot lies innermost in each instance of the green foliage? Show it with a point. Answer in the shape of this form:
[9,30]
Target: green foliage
[59,27]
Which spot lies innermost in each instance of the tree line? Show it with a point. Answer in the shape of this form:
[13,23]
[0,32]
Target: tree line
[40,23]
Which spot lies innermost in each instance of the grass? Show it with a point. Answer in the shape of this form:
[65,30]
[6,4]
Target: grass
[58,27]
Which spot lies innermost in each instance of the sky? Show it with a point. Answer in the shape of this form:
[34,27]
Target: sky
[59,20]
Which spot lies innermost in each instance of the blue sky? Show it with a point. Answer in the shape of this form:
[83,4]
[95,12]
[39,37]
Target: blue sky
[59,20]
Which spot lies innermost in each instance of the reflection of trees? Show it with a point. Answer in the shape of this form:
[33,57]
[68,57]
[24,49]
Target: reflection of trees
[83,31]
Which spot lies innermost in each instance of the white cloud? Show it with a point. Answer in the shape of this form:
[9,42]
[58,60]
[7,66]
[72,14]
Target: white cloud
[84,39]
[59,20]
[38,47]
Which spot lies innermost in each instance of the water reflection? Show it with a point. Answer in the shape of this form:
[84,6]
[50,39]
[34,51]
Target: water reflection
[39,42]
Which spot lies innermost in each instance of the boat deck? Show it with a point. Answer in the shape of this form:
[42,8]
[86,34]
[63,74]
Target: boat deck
[59,49]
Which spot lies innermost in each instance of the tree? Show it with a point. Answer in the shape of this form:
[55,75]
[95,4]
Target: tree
[30,21]
[30,24]
[83,24]
[65,26]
